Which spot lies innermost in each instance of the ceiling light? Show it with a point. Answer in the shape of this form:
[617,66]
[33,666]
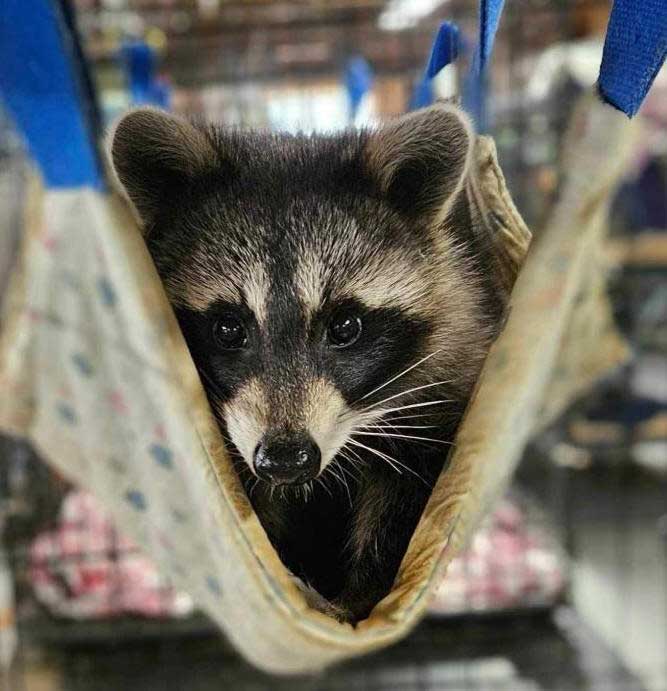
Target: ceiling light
[404,14]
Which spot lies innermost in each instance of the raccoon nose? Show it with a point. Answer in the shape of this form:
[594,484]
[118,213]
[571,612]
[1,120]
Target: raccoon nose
[287,461]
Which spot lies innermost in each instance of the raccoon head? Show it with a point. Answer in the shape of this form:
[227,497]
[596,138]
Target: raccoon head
[330,287]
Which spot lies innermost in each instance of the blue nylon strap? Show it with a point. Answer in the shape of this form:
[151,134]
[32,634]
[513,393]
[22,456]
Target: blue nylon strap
[445,50]
[139,60]
[41,90]
[422,94]
[474,90]
[634,51]
[489,18]
[358,79]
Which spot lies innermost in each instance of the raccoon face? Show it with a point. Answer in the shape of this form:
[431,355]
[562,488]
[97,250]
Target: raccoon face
[329,287]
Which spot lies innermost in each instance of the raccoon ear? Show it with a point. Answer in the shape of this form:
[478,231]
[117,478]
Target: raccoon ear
[421,159]
[155,154]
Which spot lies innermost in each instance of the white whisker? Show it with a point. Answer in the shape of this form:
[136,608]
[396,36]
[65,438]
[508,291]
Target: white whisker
[405,393]
[393,462]
[417,405]
[399,427]
[354,453]
[353,465]
[383,456]
[252,489]
[347,487]
[398,376]
[323,484]
[341,479]
[404,417]
[403,436]
[333,472]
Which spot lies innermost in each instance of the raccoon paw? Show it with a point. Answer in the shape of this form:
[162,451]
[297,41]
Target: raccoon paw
[353,610]
[341,614]
[321,604]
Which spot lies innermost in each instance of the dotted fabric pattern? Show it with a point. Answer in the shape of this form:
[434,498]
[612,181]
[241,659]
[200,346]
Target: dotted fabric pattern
[87,374]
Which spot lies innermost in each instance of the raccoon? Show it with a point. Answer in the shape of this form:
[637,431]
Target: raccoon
[338,303]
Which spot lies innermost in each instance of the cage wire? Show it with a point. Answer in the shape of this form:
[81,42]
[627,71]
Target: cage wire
[565,586]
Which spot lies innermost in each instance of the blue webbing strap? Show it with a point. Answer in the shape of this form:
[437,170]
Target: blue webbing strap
[146,87]
[139,59]
[88,91]
[489,18]
[634,51]
[445,50]
[358,79]
[474,92]
[43,93]
[140,62]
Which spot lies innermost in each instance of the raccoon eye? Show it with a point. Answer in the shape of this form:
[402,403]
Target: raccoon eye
[344,329]
[229,332]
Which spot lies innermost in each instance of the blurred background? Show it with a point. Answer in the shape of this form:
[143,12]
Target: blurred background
[565,585]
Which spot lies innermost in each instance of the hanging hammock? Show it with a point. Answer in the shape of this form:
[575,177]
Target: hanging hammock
[95,372]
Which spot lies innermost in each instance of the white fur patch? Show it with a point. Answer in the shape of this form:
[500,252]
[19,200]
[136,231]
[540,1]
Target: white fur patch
[200,288]
[245,415]
[201,294]
[329,420]
[309,281]
[256,291]
[390,280]
[325,415]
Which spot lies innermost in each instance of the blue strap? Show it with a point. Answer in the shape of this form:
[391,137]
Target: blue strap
[445,49]
[140,62]
[475,87]
[43,93]
[634,51]
[161,94]
[422,94]
[139,59]
[358,80]
[489,18]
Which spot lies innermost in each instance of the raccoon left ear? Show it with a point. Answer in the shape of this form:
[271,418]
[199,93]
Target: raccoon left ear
[421,159]
[155,155]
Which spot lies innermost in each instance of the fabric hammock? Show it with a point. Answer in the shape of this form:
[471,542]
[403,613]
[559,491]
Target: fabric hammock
[95,373]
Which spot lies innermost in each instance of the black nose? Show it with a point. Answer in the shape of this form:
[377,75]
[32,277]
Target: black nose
[287,460]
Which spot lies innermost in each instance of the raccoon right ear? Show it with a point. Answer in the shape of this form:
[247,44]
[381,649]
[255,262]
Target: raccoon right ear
[421,159]
[155,155]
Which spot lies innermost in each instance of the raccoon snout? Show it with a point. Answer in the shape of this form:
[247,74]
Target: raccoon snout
[290,461]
